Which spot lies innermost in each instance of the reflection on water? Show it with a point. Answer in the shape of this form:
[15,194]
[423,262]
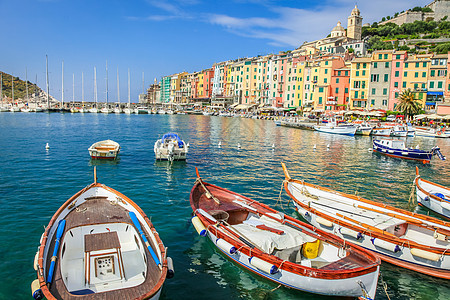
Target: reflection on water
[35,183]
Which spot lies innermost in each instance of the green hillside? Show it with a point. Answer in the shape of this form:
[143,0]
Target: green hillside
[19,87]
[420,36]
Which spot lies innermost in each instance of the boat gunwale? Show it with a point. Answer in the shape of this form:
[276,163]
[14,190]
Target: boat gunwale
[295,268]
[378,234]
[40,270]
[434,197]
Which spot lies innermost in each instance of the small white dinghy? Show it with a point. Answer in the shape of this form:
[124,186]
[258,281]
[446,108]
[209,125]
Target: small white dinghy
[100,245]
[106,149]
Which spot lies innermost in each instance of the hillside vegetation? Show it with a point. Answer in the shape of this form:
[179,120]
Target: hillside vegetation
[20,90]
[391,36]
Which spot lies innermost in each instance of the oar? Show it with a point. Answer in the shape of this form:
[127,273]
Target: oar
[139,228]
[59,233]
[230,229]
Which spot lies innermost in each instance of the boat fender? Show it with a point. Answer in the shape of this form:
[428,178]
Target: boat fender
[263,265]
[439,195]
[311,249]
[348,232]
[225,246]
[324,222]
[36,290]
[385,245]
[198,225]
[426,198]
[305,214]
[170,269]
[36,264]
[425,254]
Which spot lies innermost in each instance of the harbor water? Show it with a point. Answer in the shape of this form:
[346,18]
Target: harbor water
[35,182]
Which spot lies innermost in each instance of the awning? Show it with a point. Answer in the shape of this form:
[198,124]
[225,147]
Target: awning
[430,103]
[261,105]
[435,93]
[234,105]
[241,106]
[307,109]
[419,117]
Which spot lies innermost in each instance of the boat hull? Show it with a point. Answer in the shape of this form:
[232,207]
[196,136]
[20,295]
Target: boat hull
[107,149]
[402,239]
[433,196]
[344,130]
[107,230]
[411,154]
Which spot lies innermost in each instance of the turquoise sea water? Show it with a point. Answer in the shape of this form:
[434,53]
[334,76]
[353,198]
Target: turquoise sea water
[34,183]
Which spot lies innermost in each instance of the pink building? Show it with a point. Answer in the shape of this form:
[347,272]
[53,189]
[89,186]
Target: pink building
[395,88]
[339,89]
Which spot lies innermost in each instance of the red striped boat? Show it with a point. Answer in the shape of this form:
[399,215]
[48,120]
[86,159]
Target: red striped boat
[281,248]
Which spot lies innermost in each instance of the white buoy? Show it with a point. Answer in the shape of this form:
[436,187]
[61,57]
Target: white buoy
[219,144]
[239,146]
[47,146]
[314,147]
[273,146]
[370,149]
[417,147]
[328,145]
[187,145]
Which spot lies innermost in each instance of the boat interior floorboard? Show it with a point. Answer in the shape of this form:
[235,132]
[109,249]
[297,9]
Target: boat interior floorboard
[99,210]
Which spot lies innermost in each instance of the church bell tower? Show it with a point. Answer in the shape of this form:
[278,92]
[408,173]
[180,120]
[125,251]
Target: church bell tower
[354,26]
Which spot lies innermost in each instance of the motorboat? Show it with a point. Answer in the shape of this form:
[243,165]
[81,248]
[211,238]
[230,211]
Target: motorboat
[397,148]
[100,245]
[106,149]
[170,147]
[409,240]
[431,132]
[363,128]
[381,130]
[336,128]
[433,196]
[399,131]
[280,248]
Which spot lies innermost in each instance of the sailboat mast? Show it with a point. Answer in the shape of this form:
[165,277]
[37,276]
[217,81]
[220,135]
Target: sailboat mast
[82,88]
[1,87]
[35,93]
[46,72]
[26,83]
[106,84]
[95,86]
[73,89]
[143,87]
[62,85]
[129,88]
[118,89]
[12,84]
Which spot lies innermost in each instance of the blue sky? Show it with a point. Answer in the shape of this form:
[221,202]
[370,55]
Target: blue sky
[158,37]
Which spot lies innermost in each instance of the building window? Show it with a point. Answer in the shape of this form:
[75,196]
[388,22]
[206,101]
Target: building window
[326,70]
[325,80]
[432,73]
[397,64]
[439,85]
[384,102]
[321,90]
[372,102]
[320,100]
[397,73]
[397,56]
[416,74]
[405,74]
[417,64]
[337,91]
[386,77]
[375,65]
[346,73]
[396,95]
[406,65]
[374,91]
[364,73]
[384,91]
[337,80]
[380,56]
[424,74]
[364,65]
[346,89]
[356,94]
[375,77]
[386,64]
[357,73]
[424,64]
[396,84]
[385,56]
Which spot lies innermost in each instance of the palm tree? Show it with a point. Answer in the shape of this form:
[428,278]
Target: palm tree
[408,104]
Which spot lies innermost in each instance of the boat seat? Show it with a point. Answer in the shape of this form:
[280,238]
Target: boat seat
[290,254]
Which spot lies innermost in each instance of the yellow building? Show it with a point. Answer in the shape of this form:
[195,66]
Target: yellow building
[359,82]
[415,75]
[175,87]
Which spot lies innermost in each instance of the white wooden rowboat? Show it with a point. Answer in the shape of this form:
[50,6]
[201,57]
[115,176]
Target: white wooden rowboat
[432,195]
[409,240]
[280,248]
[107,149]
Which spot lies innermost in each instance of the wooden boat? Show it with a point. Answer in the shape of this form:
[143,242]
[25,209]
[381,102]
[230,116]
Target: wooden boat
[362,128]
[431,132]
[397,148]
[409,240]
[100,245]
[333,127]
[399,131]
[432,195]
[381,130]
[170,147]
[107,149]
[281,248]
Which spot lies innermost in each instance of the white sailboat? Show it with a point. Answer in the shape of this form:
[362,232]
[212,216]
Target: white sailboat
[3,108]
[117,109]
[26,108]
[37,108]
[106,109]
[13,108]
[92,109]
[127,110]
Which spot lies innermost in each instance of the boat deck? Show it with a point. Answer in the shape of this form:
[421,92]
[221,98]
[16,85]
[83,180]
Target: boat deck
[98,210]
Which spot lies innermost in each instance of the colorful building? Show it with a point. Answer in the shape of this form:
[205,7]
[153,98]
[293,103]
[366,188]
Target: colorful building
[380,79]
[359,82]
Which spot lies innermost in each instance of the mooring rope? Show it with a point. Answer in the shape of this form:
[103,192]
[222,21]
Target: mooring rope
[385,287]
[411,200]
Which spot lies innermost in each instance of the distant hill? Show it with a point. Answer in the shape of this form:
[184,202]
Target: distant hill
[20,91]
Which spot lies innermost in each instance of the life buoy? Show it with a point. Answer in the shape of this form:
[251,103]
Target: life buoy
[439,132]
[379,124]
